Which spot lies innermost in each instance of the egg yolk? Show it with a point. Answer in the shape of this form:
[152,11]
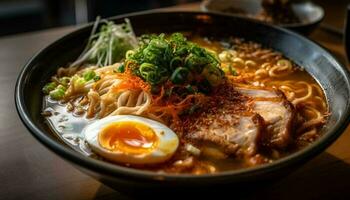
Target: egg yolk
[128,137]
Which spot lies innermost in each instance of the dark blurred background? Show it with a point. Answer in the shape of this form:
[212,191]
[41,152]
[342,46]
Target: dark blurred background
[17,16]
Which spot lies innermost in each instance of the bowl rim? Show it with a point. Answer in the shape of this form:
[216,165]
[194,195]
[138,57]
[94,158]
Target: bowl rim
[204,7]
[107,168]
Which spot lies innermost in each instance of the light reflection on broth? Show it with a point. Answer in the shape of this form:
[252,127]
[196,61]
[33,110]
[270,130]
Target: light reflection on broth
[67,126]
[257,69]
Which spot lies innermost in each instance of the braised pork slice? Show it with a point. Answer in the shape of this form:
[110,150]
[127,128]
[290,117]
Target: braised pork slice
[242,121]
[231,133]
[227,124]
[278,114]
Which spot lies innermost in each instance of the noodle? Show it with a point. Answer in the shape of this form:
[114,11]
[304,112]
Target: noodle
[308,95]
[282,68]
[94,99]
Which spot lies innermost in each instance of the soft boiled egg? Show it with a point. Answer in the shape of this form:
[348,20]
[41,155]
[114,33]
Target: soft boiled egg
[131,139]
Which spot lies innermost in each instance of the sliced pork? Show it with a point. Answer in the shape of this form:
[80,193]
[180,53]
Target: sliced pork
[227,124]
[245,121]
[277,112]
[232,134]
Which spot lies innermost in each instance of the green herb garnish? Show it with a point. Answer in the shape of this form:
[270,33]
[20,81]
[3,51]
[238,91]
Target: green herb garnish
[89,75]
[58,93]
[64,81]
[49,87]
[159,59]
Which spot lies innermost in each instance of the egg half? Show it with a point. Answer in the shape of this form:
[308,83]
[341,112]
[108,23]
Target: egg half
[131,139]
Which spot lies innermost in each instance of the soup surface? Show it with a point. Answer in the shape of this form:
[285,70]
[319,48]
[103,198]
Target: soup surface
[189,104]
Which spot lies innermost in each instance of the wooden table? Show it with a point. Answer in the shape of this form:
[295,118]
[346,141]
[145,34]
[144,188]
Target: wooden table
[28,170]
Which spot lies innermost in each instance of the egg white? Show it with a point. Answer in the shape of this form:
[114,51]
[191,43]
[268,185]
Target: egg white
[167,141]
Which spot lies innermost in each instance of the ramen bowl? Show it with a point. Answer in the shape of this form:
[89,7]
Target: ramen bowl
[319,63]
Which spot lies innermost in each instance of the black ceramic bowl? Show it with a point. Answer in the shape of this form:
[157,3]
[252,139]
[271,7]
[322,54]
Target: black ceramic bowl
[309,13]
[317,61]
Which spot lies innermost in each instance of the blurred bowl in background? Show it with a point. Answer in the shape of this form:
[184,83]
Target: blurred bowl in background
[309,14]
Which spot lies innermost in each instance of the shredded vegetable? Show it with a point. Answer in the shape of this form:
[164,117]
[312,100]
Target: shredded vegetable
[108,45]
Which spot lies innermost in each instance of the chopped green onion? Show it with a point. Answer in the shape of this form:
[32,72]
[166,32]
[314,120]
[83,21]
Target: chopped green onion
[151,73]
[160,58]
[153,78]
[195,63]
[175,62]
[129,53]
[180,75]
[58,93]
[61,87]
[78,82]
[145,68]
[64,81]
[89,75]
[97,78]
[182,51]
[49,87]
[213,75]
[120,69]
